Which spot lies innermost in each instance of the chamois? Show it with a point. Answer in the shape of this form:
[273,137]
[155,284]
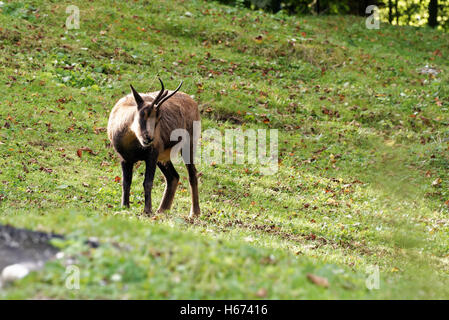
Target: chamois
[139,129]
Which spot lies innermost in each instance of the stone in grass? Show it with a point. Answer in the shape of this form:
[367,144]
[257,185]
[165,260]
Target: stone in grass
[18,271]
[23,251]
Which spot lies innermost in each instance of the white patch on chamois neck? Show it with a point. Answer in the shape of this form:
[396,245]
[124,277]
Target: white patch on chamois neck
[135,128]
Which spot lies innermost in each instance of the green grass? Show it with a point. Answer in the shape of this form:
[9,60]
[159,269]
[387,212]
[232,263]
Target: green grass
[363,141]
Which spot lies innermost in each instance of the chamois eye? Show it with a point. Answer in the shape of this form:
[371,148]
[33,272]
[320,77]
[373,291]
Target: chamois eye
[143,114]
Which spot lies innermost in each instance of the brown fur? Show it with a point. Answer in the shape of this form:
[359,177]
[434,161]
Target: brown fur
[178,112]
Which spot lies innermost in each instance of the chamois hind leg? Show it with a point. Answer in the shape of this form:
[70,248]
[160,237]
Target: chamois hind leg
[188,158]
[127,173]
[195,209]
[171,179]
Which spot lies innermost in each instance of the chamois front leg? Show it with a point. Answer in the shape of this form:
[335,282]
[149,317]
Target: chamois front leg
[127,173]
[150,169]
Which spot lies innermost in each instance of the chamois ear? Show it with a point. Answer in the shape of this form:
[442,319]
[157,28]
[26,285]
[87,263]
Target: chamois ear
[137,97]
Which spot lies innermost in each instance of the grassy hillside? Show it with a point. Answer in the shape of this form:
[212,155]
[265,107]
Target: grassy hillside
[363,140]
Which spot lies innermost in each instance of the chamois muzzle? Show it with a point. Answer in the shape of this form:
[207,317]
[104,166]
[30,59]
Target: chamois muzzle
[147,141]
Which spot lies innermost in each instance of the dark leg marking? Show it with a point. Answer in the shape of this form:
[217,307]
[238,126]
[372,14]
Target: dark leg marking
[127,173]
[150,169]
[195,209]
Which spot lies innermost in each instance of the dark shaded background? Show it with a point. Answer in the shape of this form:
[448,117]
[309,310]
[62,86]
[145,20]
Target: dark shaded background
[433,13]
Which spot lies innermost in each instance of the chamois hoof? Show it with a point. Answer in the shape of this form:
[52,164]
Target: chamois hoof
[162,210]
[194,215]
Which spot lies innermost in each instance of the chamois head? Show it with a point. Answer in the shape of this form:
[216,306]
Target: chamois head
[148,114]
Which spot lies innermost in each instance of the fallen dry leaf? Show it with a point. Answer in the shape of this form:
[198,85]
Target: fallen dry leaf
[98,130]
[258,39]
[436,182]
[262,293]
[79,152]
[48,170]
[319,281]
[104,164]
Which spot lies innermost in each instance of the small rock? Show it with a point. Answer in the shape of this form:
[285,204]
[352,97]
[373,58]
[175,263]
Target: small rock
[429,70]
[116,277]
[14,272]
[60,255]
